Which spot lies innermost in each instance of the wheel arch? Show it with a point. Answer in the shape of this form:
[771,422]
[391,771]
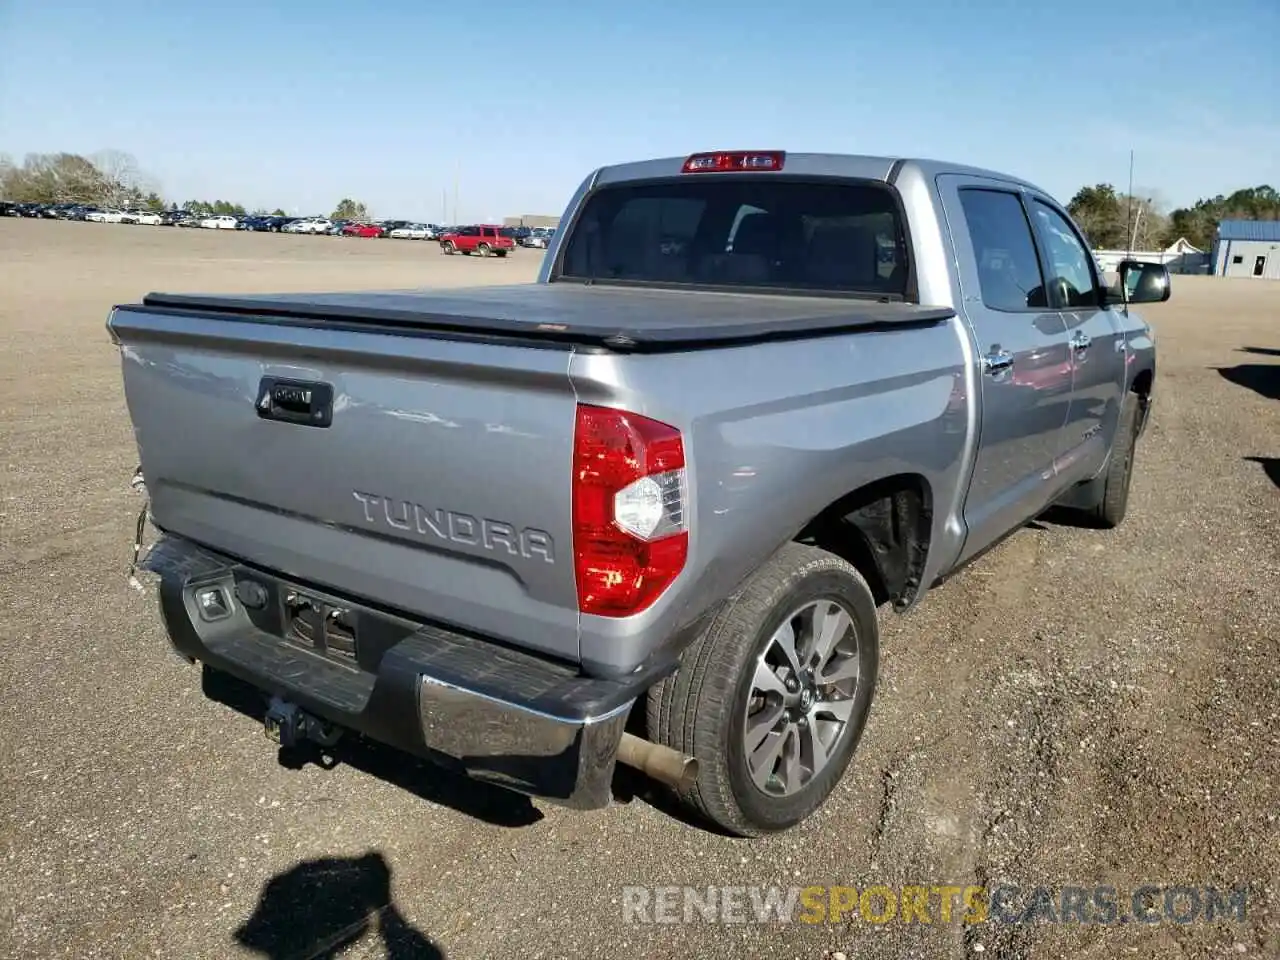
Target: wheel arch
[882,528]
[1143,384]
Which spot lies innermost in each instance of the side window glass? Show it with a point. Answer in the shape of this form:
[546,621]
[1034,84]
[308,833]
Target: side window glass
[1071,282]
[1008,268]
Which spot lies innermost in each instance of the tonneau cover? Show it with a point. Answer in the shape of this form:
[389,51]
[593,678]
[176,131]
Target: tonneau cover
[619,318]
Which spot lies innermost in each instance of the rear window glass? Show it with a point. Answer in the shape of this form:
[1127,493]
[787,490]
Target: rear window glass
[750,232]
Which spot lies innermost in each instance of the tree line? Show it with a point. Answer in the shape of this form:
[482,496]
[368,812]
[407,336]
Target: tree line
[108,178]
[112,178]
[1115,221]
[1111,220]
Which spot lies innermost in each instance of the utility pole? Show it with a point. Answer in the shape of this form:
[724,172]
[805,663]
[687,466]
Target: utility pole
[456,173]
[1128,225]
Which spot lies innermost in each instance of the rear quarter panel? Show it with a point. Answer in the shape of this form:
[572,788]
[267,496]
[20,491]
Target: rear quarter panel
[774,433]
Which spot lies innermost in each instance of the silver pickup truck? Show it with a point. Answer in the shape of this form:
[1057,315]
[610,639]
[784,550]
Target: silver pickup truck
[645,509]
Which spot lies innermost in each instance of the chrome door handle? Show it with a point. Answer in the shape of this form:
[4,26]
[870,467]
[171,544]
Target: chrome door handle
[1080,342]
[997,360]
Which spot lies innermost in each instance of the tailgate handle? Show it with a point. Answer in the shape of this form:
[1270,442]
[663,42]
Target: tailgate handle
[305,402]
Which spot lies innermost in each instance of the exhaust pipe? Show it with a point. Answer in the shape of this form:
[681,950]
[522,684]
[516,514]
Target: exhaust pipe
[667,766]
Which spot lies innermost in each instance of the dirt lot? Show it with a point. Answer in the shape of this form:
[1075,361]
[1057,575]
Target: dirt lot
[1078,708]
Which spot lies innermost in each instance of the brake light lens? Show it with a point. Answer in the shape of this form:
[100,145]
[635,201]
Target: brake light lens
[739,161]
[630,528]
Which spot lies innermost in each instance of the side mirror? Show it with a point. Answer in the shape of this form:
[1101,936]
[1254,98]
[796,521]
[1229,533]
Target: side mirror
[1144,282]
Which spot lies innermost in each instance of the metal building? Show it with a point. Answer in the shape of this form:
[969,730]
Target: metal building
[532,220]
[1247,248]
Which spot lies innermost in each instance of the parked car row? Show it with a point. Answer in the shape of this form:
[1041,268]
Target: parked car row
[481,239]
[78,211]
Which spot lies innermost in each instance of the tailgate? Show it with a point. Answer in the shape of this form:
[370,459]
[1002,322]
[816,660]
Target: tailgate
[436,482]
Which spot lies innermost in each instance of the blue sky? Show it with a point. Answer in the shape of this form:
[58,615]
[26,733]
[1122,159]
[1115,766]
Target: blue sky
[298,104]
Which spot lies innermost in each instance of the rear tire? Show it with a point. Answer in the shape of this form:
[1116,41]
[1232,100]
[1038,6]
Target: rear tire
[732,706]
[483,249]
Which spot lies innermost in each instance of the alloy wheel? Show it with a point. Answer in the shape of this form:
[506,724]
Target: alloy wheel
[801,697]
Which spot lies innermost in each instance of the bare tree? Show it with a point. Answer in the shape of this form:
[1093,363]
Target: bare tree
[7,171]
[55,178]
[1147,222]
[125,181]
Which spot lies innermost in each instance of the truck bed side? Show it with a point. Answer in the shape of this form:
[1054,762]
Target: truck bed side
[778,432]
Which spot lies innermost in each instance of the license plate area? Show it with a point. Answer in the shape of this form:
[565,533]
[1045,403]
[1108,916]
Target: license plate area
[319,626]
[342,631]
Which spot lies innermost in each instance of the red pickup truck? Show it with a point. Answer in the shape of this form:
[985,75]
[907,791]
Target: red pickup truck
[484,239]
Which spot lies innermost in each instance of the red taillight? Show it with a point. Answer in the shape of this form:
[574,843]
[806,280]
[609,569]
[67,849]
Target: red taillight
[740,161]
[630,531]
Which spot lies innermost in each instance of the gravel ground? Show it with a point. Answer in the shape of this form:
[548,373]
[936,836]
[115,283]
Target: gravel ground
[1078,708]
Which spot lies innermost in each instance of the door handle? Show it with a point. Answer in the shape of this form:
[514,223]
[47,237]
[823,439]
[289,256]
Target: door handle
[997,360]
[1080,342]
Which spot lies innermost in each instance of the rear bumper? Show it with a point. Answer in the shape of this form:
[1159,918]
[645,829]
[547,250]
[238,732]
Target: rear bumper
[497,714]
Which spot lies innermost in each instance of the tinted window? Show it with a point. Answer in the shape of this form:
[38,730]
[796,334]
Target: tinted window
[1008,268]
[775,232]
[1071,279]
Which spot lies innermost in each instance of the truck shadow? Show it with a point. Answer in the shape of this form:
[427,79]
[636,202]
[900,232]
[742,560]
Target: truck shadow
[630,786]
[433,782]
[320,907]
[1263,351]
[1261,378]
[1270,466]
[1057,516]
[437,782]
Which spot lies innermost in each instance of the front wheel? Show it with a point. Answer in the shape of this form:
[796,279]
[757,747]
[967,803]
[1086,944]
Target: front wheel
[1103,501]
[448,247]
[1113,494]
[772,698]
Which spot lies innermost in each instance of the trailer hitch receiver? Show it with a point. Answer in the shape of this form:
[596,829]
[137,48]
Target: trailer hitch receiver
[288,725]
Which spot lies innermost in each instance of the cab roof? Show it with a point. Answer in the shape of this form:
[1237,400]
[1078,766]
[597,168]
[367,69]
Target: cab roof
[854,166]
